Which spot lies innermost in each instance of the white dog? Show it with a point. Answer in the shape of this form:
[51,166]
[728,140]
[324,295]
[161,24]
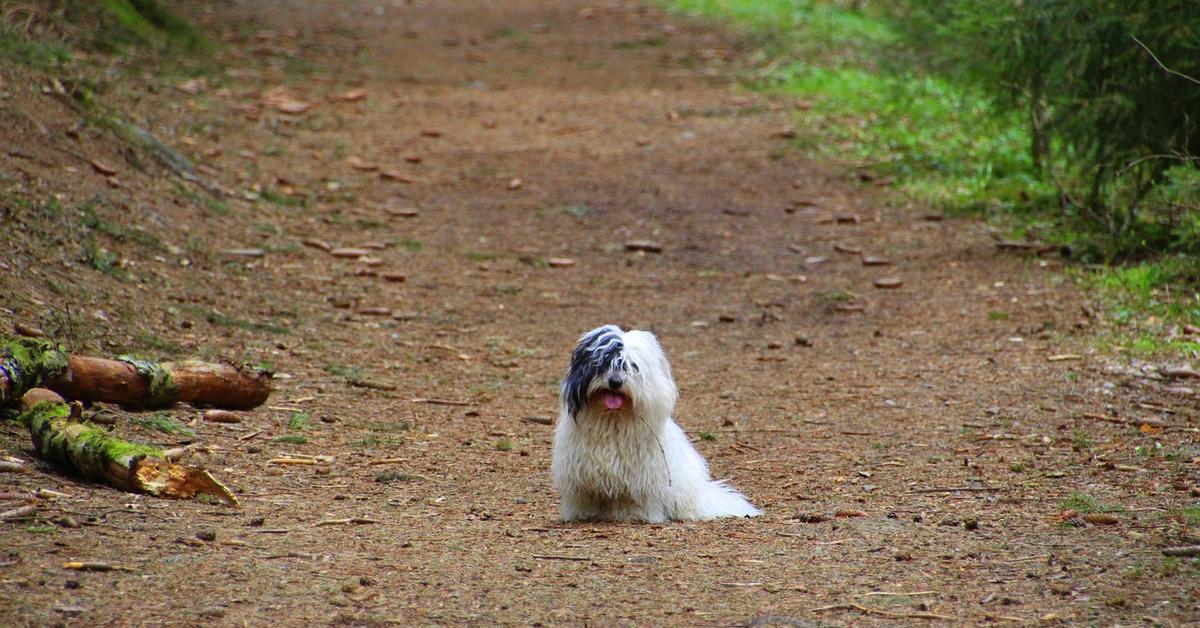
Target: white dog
[618,455]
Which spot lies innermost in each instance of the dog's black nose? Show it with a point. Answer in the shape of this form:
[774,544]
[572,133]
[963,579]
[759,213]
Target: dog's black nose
[615,382]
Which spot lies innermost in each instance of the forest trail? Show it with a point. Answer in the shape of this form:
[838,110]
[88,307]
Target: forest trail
[912,408]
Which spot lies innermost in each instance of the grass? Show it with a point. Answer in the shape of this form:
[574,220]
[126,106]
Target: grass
[1083,504]
[505,445]
[290,439]
[299,422]
[1145,307]
[387,477]
[224,320]
[162,423]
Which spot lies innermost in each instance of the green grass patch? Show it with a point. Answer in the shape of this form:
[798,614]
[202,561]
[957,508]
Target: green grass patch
[387,477]
[162,423]
[290,439]
[225,320]
[706,436]
[505,444]
[1146,307]
[1083,504]
[299,422]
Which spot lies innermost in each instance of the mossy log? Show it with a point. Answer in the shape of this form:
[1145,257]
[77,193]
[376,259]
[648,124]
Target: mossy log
[132,382]
[96,455]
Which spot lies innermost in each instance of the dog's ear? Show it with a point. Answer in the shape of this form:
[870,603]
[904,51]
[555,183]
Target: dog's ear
[625,328]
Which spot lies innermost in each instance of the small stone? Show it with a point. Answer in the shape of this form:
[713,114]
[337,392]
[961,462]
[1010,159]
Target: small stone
[774,344]
[726,318]
[515,183]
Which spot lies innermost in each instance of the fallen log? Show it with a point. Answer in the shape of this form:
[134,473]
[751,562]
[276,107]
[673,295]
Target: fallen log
[27,363]
[96,455]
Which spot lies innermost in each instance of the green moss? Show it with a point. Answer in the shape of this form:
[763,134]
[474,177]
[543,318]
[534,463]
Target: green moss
[28,363]
[155,24]
[160,385]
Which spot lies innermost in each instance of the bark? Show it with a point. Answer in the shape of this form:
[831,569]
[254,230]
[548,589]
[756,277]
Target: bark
[96,455]
[132,382]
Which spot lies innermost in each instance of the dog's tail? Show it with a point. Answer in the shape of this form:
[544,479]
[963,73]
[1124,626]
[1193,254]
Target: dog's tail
[721,500]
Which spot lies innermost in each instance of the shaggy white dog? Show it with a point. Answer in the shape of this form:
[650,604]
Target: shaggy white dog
[618,455]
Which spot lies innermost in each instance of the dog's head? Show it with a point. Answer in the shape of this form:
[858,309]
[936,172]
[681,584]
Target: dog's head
[614,371]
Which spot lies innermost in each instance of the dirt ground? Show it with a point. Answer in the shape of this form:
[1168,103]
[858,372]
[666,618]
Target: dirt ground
[913,447]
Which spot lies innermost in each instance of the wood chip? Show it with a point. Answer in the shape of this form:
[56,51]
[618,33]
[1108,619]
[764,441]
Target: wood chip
[847,219]
[317,244]
[871,260]
[24,512]
[404,212]
[292,461]
[1062,357]
[395,175]
[887,283]
[643,245]
[846,248]
[440,402]
[245,252]
[538,420]
[103,168]
[350,252]
[92,565]
[394,277]
[353,95]
[1188,551]
[815,259]
[560,262]
[850,513]
[361,165]
[350,521]
[515,183]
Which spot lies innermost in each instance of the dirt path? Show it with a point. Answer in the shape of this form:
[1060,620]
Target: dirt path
[559,129]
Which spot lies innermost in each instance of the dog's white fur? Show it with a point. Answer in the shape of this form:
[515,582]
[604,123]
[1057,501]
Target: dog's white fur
[632,463]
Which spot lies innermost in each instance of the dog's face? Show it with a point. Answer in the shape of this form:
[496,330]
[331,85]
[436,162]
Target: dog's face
[614,372]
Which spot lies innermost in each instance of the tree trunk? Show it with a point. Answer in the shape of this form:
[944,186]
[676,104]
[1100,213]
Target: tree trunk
[96,455]
[28,363]
[143,384]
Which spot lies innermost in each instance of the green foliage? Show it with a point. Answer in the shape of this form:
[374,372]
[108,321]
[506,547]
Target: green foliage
[299,421]
[290,439]
[1108,105]
[153,23]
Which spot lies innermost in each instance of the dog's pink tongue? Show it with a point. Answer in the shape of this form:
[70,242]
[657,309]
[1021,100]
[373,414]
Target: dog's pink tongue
[612,400]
